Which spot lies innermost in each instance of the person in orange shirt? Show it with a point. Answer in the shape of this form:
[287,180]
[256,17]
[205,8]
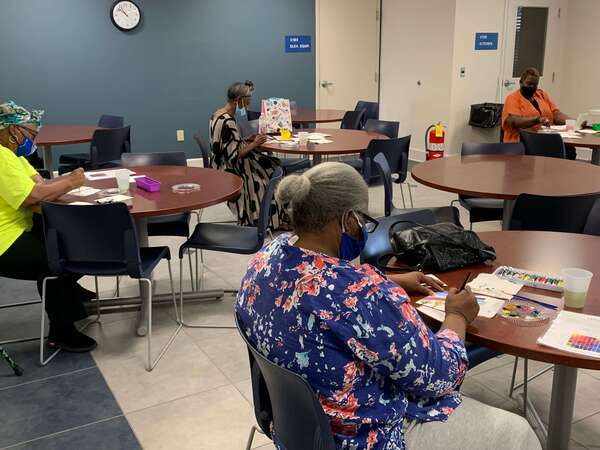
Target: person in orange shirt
[530,107]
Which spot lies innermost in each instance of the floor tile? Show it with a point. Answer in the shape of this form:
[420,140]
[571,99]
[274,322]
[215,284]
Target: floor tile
[216,419]
[37,409]
[184,370]
[113,434]
[493,363]
[245,388]
[587,432]
[26,355]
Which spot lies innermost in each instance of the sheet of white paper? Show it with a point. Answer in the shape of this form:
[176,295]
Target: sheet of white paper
[83,191]
[114,199]
[489,284]
[81,203]
[105,174]
[488,306]
[569,135]
[575,333]
[558,127]
[587,131]
[433,313]
[317,136]
[322,141]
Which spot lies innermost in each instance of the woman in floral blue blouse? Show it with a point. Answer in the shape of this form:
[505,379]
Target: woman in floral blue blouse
[385,380]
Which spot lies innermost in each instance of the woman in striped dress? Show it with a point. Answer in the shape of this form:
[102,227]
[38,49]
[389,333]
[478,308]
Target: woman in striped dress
[241,156]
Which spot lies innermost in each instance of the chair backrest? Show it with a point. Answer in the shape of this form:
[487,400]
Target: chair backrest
[265,205]
[396,153]
[371,110]
[252,115]
[109,144]
[298,417]
[204,149]
[92,240]
[386,173]
[352,120]
[248,127]
[386,127]
[154,159]
[492,148]
[108,121]
[592,223]
[543,144]
[541,213]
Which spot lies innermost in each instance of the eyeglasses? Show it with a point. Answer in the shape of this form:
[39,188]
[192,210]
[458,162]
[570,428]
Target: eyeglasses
[369,223]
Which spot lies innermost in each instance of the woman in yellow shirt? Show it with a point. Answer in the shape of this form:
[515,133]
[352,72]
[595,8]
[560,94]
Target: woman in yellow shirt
[22,249]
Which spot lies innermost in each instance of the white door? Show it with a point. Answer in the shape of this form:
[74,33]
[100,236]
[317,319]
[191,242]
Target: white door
[533,39]
[347,43]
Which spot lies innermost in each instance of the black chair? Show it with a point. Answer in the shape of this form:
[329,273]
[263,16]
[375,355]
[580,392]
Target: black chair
[227,238]
[484,209]
[100,241]
[592,223]
[172,224]
[543,144]
[80,159]
[297,415]
[253,115]
[106,149]
[385,127]
[371,110]
[352,120]
[204,149]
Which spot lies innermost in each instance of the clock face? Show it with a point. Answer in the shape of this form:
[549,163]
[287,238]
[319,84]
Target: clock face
[125,15]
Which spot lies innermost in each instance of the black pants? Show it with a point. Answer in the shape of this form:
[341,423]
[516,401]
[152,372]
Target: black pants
[26,260]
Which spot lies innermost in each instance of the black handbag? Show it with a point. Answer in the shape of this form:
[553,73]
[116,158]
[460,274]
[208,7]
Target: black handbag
[485,115]
[440,247]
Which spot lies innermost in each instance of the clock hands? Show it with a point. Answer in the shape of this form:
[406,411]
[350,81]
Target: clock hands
[123,11]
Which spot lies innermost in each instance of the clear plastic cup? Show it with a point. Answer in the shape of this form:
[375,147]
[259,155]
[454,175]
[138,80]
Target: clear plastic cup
[577,282]
[570,124]
[122,176]
[303,137]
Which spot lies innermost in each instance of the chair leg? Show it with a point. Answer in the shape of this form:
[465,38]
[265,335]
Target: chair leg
[151,364]
[402,193]
[191,270]
[514,375]
[118,290]
[410,195]
[181,309]
[253,430]
[44,361]
[525,374]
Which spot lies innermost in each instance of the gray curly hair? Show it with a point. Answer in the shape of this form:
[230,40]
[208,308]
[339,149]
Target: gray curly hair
[240,89]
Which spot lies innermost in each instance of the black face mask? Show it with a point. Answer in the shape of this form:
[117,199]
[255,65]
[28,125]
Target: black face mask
[528,91]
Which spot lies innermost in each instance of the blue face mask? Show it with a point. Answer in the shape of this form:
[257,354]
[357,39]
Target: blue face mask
[240,113]
[350,248]
[26,148]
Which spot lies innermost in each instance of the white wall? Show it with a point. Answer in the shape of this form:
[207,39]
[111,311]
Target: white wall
[581,81]
[417,45]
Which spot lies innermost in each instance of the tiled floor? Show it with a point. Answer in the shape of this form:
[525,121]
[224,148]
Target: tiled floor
[199,396]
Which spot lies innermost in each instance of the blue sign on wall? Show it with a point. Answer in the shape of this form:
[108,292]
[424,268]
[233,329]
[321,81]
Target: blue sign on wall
[297,44]
[486,41]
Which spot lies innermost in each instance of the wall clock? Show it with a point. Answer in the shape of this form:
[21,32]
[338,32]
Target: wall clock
[125,15]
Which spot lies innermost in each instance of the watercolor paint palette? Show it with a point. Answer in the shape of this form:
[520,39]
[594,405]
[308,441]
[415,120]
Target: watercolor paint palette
[528,278]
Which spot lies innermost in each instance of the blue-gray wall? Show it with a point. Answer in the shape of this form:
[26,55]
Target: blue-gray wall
[65,56]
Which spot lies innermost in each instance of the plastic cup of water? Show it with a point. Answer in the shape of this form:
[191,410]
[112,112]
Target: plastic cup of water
[303,137]
[577,282]
[122,176]
[570,124]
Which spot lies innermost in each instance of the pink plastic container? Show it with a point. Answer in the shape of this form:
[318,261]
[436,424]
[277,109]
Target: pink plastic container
[147,184]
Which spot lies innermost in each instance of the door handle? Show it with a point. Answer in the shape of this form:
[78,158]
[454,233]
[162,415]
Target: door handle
[509,83]
[326,84]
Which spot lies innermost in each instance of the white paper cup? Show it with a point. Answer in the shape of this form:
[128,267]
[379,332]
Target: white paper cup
[577,282]
[122,176]
[570,124]
[303,137]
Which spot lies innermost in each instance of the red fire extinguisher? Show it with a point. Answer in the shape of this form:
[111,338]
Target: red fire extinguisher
[434,141]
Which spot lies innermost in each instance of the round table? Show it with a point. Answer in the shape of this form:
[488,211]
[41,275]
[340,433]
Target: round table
[505,177]
[547,252]
[587,140]
[305,116]
[216,187]
[345,142]
[50,135]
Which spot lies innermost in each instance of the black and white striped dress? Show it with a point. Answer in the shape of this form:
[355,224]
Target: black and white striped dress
[255,170]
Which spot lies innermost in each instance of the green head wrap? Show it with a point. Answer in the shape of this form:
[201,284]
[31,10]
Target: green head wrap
[13,114]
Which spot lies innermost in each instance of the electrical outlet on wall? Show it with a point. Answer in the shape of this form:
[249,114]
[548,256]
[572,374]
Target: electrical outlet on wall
[180,136]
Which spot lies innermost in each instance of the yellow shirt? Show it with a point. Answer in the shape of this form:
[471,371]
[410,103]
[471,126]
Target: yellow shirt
[15,186]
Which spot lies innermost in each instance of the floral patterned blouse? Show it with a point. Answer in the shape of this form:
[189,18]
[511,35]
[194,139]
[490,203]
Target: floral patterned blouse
[353,335]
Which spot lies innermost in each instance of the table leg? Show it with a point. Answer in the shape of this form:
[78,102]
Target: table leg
[317,159]
[596,156]
[561,407]
[141,224]
[507,213]
[47,157]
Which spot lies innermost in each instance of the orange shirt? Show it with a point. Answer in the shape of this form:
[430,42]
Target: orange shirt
[517,105]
